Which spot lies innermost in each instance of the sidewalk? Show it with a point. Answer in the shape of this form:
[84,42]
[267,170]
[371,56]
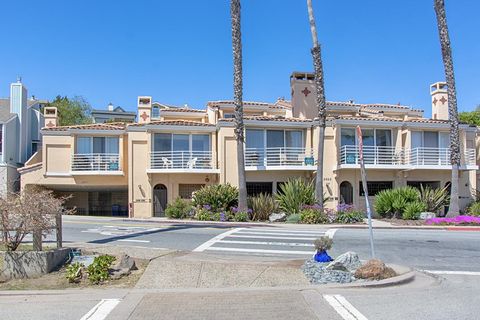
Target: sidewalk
[376,224]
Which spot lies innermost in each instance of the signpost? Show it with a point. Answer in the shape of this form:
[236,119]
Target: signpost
[365,188]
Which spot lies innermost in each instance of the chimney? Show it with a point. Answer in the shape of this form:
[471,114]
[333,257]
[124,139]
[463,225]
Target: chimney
[439,94]
[303,95]
[110,107]
[144,109]
[50,115]
[18,105]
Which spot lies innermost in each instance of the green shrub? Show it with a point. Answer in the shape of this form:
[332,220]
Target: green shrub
[241,216]
[74,272]
[312,216]
[349,216]
[179,209]
[412,210]
[294,218]
[203,215]
[98,270]
[474,209]
[262,206]
[393,202]
[295,193]
[217,196]
[323,243]
[434,199]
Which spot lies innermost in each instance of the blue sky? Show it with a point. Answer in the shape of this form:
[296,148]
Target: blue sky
[179,52]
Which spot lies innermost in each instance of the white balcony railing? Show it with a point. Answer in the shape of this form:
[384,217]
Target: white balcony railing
[371,155]
[96,162]
[277,157]
[184,160]
[391,156]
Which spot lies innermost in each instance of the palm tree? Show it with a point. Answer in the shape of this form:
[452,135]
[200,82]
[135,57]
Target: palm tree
[439,6]
[320,99]
[238,101]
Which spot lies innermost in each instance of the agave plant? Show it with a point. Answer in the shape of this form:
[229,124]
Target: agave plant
[294,194]
[434,199]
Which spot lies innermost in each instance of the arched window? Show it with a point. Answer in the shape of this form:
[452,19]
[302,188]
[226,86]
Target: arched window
[346,192]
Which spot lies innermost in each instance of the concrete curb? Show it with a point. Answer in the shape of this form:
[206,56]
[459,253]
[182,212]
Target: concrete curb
[283,224]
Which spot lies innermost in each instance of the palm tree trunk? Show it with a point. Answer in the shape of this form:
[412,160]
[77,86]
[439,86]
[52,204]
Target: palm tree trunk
[238,100]
[439,6]
[320,100]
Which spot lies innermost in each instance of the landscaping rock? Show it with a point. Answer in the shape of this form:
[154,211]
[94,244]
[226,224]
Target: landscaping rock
[348,261]
[427,215]
[317,273]
[277,217]
[374,270]
[125,262]
[119,273]
[335,265]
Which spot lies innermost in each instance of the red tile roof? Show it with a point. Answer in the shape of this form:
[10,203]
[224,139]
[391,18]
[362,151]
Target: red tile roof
[268,118]
[93,126]
[173,123]
[182,110]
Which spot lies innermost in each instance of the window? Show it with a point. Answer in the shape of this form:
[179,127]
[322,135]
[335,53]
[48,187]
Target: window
[259,138]
[155,112]
[375,187]
[255,188]
[181,142]
[348,137]
[100,145]
[228,115]
[185,190]
[417,184]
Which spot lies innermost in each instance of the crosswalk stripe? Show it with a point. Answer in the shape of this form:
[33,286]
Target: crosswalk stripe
[280,234]
[286,230]
[293,244]
[269,237]
[261,251]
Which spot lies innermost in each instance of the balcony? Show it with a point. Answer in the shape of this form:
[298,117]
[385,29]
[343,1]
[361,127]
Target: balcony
[182,161]
[283,158]
[96,164]
[377,157]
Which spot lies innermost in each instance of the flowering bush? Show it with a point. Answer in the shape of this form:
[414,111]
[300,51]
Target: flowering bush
[346,213]
[458,220]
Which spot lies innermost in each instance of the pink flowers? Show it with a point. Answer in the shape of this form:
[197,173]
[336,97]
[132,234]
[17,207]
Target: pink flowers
[458,220]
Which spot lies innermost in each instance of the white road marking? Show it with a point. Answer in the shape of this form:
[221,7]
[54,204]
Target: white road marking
[330,233]
[270,237]
[460,273]
[133,240]
[294,244]
[286,230]
[280,234]
[101,310]
[119,231]
[214,240]
[310,253]
[343,307]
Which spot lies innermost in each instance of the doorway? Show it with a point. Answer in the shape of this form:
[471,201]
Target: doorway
[346,192]
[159,200]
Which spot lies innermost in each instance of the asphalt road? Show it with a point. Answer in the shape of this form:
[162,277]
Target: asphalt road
[443,296]
[422,249]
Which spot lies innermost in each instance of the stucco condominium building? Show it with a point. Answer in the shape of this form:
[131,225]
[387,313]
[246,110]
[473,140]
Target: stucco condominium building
[20,123]
[137,168]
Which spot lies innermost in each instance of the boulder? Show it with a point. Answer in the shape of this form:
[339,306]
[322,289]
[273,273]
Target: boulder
[277,217]
[125,262]
[349,261]
[427,215]
[374,270]
[118,273]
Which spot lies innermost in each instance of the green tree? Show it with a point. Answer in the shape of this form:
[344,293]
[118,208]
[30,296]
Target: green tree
[439,6]
[72,111]
[238,101]
[470,117]
[321,104]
